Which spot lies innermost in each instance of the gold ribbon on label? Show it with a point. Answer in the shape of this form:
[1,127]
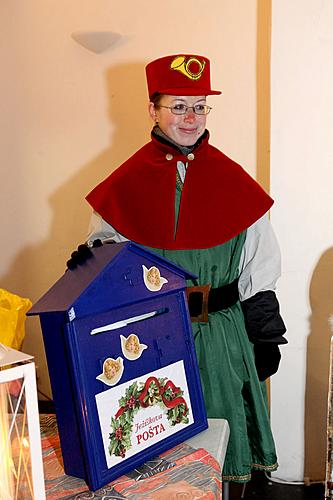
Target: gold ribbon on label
[183,66]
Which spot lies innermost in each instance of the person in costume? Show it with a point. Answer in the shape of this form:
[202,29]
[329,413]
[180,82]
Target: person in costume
[211,218]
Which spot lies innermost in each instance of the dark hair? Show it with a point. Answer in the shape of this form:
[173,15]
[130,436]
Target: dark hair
[156,98]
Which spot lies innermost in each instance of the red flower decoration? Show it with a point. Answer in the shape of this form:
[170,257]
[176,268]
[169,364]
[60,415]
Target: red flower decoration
[119,433]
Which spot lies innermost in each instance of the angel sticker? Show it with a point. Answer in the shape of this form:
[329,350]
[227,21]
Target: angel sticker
[112,371]
[131,347]
[153,279]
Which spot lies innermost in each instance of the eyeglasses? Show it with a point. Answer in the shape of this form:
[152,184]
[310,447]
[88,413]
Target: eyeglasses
[181,109]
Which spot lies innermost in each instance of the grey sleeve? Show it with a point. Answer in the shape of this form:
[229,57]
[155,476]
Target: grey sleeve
[100,229]
[260,263]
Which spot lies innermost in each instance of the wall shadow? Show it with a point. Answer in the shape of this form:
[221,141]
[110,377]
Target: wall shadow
[37,267]
[317,367]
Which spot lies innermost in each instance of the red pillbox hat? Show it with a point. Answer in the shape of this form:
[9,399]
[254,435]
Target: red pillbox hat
[182,74]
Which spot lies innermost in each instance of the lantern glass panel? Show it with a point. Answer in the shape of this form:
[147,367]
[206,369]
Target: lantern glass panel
[15,466]
[21,464]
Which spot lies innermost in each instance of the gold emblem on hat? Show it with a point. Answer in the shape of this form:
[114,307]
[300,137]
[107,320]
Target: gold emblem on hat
[181,64]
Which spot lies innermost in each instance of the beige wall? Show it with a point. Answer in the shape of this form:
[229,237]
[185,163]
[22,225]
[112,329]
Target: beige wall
[301,181]
[69,116]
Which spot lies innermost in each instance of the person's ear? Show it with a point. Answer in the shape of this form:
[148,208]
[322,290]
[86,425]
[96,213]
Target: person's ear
[152,112]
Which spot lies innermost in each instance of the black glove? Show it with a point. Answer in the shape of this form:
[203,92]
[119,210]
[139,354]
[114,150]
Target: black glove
[267,359]
[262,318]
[265,329]
[82,254]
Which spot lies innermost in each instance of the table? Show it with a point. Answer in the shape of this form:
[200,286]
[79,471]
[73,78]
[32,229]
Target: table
[193,467]
[215,441]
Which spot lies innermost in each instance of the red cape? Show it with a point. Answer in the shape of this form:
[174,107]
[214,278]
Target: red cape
[219,199]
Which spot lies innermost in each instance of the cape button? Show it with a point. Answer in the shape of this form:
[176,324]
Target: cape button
[169,156]
[190,156]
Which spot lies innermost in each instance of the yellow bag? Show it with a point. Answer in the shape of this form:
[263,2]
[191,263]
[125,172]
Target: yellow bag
[12,318]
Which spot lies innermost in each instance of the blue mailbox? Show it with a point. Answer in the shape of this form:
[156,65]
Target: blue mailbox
[121,360]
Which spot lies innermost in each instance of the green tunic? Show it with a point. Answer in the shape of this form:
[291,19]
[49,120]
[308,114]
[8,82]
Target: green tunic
[225,355]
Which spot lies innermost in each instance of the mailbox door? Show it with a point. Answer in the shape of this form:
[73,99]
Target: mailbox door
[108,366]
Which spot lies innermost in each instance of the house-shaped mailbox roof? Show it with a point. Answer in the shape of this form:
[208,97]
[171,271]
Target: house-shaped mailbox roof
[112,277]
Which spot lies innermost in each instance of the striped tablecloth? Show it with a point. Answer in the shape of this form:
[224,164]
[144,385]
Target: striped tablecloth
[181,473]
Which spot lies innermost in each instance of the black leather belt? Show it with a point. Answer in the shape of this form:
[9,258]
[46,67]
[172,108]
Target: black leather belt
[204,299]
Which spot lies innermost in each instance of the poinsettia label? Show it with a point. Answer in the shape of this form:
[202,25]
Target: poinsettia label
[143,411]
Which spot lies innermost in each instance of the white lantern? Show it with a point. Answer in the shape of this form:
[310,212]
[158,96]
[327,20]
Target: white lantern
[21,464]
